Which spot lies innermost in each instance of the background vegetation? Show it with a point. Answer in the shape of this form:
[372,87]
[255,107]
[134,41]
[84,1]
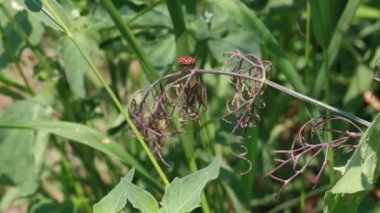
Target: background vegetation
[65,142]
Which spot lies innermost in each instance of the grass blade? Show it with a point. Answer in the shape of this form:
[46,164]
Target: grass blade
[335,44]
[84,135]
[127,34]
[179,25]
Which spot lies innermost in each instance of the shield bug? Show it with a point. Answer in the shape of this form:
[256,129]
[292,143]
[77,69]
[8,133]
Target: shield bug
[187,62]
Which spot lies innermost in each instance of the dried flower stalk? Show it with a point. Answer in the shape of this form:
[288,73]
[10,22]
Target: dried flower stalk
[306,146]
[182,95]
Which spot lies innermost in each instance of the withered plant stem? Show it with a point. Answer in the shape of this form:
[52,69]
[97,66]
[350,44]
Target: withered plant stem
[271,84]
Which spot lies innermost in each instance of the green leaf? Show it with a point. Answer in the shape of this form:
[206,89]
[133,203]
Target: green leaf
[361,171]
[74,63]
[342,202]
[140,199]
[365,11]
[322,13]
[240,40]
[84,135]
[183,194]
[12,41]
[18,161]
[162,51]
[360,83]
[49,205]
[128,35]
[116,199]
[334,45]
[39,10]
[9,92]
[179,26]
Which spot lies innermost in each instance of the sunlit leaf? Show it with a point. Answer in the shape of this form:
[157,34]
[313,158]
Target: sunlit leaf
[82,134]
[74,63]
[360,174]
[183,194]
[18,164]
[116,199]
[39,10]
[140,199]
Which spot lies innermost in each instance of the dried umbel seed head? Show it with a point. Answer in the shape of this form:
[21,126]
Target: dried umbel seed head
[306,147]
[244,105]
[187,62]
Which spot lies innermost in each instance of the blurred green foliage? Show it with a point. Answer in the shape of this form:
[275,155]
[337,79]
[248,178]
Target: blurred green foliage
[68,145]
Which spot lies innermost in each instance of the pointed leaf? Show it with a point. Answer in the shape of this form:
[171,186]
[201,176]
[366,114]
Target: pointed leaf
[82,134]
[74,63]
[360,174]
[140,199]
[45,13]
[18,162]
[183,194]
[116,199]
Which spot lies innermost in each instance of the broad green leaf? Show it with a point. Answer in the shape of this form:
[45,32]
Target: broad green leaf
[346,203]
[74,63]
[162,51]
[116,199]
[140,199]
[183,194]
[12,41]
[31,27]
[45,11]
[84,135]
[240,40]
[361,171]
[18,163]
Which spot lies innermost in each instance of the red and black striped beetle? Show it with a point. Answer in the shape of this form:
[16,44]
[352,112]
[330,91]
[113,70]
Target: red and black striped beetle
[187,62]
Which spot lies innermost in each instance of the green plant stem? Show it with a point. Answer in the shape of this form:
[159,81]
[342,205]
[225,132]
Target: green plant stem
[145,10]
[110,92]
[335,44]
[179,25]
[127,34]
[24,78]
[11,54]
[24,38]
[14,84]
[307,42]
[294,94]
